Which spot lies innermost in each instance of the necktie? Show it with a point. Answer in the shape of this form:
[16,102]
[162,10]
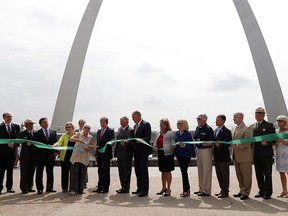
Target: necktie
[102,132]
[46,134]
[257,125]
[217,132]
[9,129]
[235,132]
[136,128]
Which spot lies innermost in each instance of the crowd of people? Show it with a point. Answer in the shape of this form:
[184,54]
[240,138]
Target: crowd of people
[208,148]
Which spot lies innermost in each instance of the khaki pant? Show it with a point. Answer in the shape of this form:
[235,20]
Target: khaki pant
[244,176]
[204,165]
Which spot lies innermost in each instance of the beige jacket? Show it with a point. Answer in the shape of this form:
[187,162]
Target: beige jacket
[243,152]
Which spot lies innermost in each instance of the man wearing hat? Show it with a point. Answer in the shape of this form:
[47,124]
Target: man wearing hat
[263,155]
[27,167]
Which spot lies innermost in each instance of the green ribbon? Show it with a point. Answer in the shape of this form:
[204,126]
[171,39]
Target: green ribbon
[268,138]
[35,143]
[103,149]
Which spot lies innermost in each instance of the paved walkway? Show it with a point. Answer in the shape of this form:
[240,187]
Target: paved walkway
[128,204]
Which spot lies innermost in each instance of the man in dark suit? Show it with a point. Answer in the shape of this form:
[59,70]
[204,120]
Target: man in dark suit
[8,130]
[45,157]
[263,155]
[142,129]
[222,155]
[27,162]
[124,155]
[104,135]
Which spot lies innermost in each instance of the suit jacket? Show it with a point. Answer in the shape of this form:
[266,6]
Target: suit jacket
[107,136]
[222,153]
[243,152]
[124,151]
[143,132]
[4,149]
[260,150]
[27,152]
[44,154]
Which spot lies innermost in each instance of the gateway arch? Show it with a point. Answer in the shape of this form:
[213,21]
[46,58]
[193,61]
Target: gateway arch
[269,84]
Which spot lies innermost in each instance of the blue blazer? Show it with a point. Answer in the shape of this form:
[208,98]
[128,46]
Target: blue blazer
[189,150]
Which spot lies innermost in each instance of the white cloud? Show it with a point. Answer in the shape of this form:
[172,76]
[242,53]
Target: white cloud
[165,59]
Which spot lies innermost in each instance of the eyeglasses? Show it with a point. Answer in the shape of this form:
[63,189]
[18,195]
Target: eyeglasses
[68,127]
[198,119]
[280,121]
[179,123]
[87,128]
[8,116]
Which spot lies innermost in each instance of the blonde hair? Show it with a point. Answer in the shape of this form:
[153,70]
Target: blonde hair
[285,118]
[184,124]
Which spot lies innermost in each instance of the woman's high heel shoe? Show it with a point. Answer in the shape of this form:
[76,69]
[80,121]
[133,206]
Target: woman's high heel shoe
[185,194]
[162,191]
[284,194]
[167,192]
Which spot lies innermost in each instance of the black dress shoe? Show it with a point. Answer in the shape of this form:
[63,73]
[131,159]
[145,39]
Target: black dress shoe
[142,194]
[24,191]
[135,192]
[237,195]
[40,192]
[244,197]
[223,195]
[51,191]
[32,191]
[266,197]
[123,191]
[103,191]
[10,191]
[65,191]
[96,190]
[197,192]
[259,195]
[217,194]
[203,194]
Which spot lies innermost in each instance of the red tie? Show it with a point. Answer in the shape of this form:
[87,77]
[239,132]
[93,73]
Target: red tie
[102,132]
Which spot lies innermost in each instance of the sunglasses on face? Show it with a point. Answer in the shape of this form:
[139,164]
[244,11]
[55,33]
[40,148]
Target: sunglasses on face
[280,121]
[87,128]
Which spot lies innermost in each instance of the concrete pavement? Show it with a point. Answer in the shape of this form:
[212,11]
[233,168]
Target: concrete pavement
[127,204]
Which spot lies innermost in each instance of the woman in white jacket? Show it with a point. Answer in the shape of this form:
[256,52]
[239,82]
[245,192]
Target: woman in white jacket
[164,142]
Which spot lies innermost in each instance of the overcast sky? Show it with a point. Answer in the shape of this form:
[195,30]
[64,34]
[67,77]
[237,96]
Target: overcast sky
[165,58]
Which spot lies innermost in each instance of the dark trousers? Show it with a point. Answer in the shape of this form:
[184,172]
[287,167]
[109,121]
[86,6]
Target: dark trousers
[103,173]
[27,170]
[263,170]
[124,169]
[223,176]
[184,164]
[65,174]
[78,173]
[141,171]
[6,164]
[49,165]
